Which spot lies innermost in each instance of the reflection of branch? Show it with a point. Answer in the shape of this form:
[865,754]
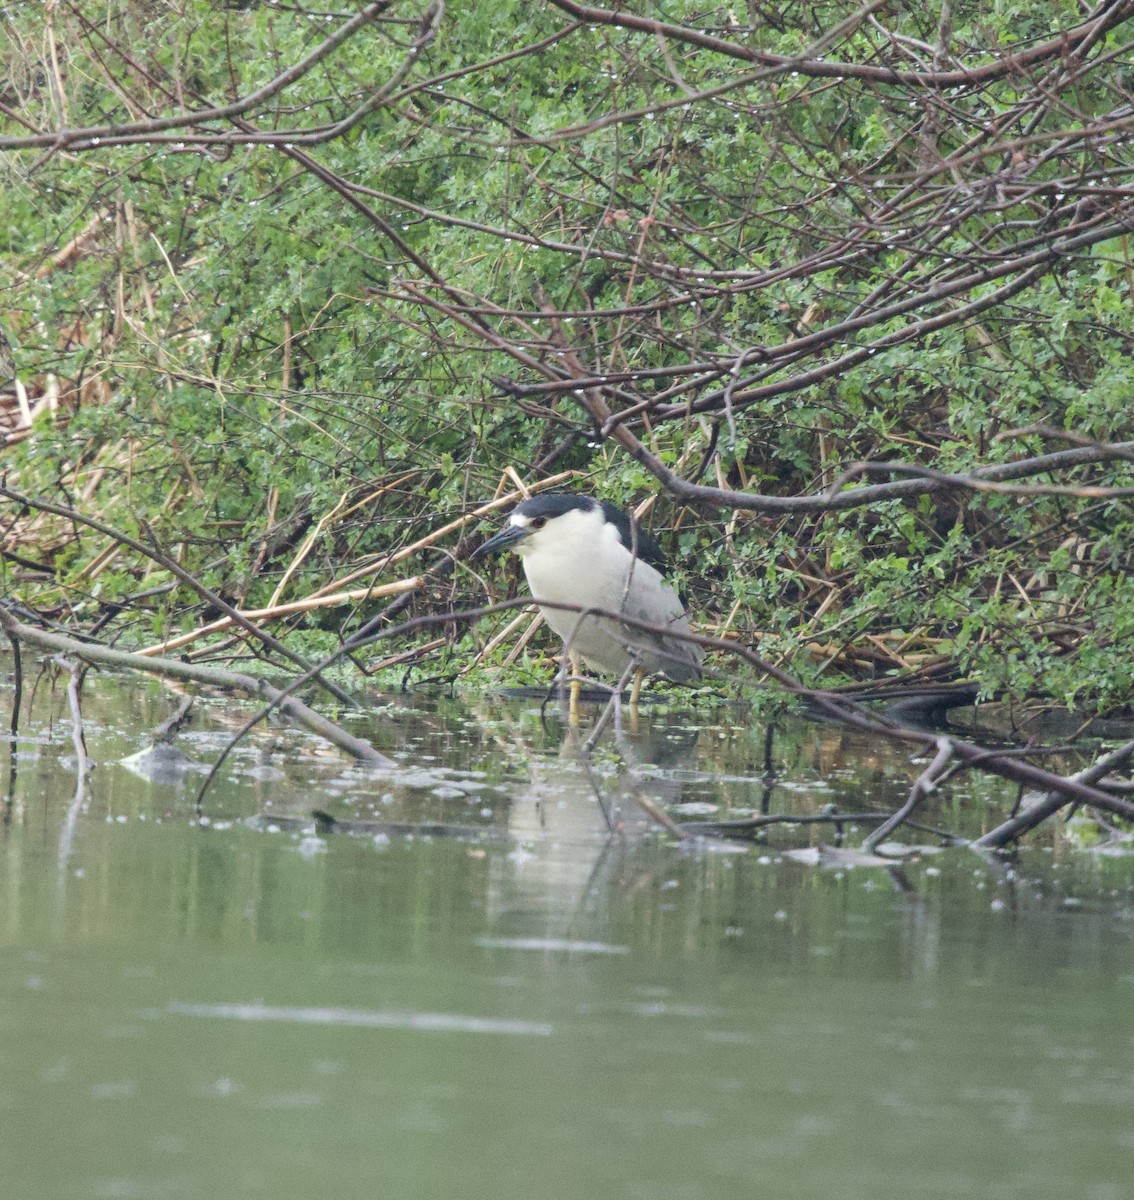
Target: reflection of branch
[742,826]
[17,689]
[82,763]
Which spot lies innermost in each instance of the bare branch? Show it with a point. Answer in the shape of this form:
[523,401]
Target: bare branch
[92,137]
[1104,18]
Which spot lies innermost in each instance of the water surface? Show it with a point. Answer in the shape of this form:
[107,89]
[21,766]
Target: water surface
[192,1005]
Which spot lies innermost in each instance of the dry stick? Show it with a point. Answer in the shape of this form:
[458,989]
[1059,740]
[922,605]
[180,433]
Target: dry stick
[408,656]
[339,512]
[156,554]
[521,644]
[436,534]
[308,545]
[211,676]
[498,638]
[1052,802]
[923,785]
[410,584]
[162,559]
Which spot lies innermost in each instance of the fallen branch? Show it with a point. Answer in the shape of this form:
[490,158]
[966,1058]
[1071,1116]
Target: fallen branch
[923,785]
[1050,802]
[260,689]
[748,825]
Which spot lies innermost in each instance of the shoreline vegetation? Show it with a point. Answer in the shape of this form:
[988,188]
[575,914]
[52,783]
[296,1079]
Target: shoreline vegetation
[839,303]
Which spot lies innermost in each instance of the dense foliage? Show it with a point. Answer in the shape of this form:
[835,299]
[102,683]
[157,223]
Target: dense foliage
[756,248]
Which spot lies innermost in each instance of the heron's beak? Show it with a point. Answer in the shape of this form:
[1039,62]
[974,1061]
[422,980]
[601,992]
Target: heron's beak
[508,536]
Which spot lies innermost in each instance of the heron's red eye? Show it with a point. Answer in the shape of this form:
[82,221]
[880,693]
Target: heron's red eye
[537,522]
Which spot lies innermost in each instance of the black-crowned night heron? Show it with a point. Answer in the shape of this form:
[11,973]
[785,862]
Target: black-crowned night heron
[581,551]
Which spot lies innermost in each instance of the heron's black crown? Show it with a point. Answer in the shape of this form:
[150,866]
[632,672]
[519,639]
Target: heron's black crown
[630,533]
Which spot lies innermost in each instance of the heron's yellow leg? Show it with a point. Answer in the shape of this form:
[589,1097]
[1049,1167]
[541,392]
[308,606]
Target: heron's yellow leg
[636,690]
[575,666]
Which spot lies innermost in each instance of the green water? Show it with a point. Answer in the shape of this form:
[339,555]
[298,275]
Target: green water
[199,1008]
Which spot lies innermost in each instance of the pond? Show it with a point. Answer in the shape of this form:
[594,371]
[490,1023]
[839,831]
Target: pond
[226,1002]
